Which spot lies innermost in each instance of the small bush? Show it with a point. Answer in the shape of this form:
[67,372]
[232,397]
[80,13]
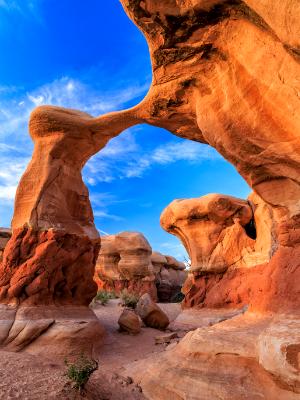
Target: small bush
[177,298]
[103,297]
[80,372]
[129,299]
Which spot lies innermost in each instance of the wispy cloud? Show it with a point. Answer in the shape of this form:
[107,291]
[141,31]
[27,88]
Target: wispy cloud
[176,249]
[124,158]
[15,108]
[72,93]
[101,203]
[9,176]
[23,7]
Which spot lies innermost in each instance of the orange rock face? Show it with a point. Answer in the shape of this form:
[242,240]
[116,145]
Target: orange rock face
[210,84]
[226,74]
[214,229]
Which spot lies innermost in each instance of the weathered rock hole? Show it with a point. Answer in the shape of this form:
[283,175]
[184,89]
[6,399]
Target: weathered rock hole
[250,229]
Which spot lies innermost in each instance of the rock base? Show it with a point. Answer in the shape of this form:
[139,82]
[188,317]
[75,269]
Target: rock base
[52,332]
[249,357]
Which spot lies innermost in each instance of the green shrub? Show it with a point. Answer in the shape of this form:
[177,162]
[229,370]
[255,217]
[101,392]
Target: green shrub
[103,297]
[80,372]
[129,299]
[177,298]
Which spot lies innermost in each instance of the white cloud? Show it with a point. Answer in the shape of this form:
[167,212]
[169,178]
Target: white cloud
[101,203]
[176,249]
[10,173]
[16,105]
[107,215]
[72,93]
[123,157]
[25,8]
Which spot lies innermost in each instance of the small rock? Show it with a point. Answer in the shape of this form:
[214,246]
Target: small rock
[129,322]
[165,338]
[150,313]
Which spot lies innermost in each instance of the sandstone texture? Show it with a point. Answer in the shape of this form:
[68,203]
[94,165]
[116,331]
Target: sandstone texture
[249,356]
[226,238]
[126,261]
[50,258]
[226,74]
[151,314]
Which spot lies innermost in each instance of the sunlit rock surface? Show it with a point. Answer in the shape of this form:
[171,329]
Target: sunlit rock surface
[226,73]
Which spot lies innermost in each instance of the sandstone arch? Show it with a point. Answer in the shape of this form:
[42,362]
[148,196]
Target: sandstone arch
[225,73]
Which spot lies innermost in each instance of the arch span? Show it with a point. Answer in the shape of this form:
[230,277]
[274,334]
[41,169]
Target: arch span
[210,84]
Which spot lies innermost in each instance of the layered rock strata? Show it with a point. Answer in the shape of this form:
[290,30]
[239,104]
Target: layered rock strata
[46,275]
[225,237]
[226,73]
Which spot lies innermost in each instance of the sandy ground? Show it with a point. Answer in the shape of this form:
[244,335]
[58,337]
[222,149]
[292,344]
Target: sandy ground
[27,377]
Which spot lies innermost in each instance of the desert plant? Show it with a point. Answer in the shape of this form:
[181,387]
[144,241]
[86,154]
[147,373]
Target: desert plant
[129,299]
[80,371]
[103,297]
[177,298]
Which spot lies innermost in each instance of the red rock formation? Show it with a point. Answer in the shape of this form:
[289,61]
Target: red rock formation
[224,237]
[50,258]
[226,73]
[169,274]
[209,88]
[124,262]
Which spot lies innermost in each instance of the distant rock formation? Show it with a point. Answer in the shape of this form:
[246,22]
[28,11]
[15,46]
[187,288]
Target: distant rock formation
[170,275]
[126,262]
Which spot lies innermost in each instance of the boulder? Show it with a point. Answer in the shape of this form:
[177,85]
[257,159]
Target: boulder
[151,314]
[129,322]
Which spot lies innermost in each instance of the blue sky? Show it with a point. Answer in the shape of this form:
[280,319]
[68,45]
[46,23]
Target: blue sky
[88,55]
